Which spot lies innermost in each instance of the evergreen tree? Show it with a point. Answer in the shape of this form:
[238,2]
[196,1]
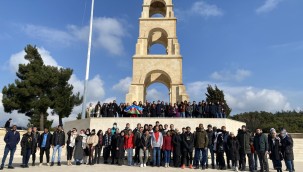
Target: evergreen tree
[215,95]
[62,95]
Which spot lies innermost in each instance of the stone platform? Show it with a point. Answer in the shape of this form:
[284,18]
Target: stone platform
[105,123]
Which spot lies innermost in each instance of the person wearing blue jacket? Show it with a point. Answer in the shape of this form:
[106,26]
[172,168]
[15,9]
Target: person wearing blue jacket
[11,139]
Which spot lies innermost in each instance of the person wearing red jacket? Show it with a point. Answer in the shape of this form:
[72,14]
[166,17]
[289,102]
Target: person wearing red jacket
[167,147]
[129,145]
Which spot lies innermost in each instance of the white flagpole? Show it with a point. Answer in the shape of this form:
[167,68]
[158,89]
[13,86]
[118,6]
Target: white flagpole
[88,60]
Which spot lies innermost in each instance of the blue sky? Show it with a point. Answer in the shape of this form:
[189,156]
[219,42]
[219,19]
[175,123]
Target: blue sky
[251,49]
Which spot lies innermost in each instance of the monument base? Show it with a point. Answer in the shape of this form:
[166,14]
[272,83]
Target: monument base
[105,123]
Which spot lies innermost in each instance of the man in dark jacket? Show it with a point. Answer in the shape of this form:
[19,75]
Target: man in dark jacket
[245,150]
[11,140]
[188,145]
[210,146]
[27,145]
[177,141]
[137,141]
[212,110]
[287,149]
[114,142]
[44,145]
[58,143]
[261,148]
[36,137]
[201,143]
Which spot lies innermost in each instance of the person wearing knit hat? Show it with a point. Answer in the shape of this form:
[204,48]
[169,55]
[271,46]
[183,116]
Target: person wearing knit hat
[287,149]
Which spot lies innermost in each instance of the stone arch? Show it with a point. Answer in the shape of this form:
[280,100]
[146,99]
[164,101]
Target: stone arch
[157,76]
[157,36]
[157,7]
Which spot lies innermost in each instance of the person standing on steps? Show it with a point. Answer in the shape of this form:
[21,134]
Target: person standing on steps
[58,143]
[44,145]
[36,137]
[11,139]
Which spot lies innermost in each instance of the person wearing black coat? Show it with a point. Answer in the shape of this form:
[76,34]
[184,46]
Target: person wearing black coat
[104,110]
[177,141]
[212,110]
[153,111]
[27,145]
[98,148]
[220,149]
[114,143]
[287,149]
[44,145]
[244,138]
[188,146]
[120,148]
[144,146]
[210,134]
[36,136]
[274,150]
[58,143]
[233,147]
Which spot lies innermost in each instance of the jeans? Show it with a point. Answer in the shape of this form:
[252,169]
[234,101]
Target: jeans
[143,154]
[59,149]
[212,154]
[129,156]
[11,156]
[182,114]
[289,165]
[167,156]
[156,156]
[42,150]
[26,156]
[219,115]
[198,152]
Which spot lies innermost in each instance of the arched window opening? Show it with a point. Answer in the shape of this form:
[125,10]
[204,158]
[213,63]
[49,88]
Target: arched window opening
[157,7]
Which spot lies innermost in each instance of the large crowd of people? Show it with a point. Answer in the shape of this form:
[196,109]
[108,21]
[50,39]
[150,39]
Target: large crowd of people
[184,109]
[156,145]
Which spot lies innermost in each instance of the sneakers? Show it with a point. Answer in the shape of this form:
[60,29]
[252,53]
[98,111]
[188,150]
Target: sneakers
[1,168]
[144,165]
[10,167]
[40,164]
[47,164]
[236,169]
[141,166]
[59,163]
[52,164]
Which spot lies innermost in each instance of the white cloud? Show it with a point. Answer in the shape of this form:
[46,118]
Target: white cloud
[108,33]
[268,6]
[155,95]
[243,99]
[18,58]
[204,9]
[123,85]
[227,75]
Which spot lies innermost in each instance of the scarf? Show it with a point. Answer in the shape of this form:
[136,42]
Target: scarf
[108,140]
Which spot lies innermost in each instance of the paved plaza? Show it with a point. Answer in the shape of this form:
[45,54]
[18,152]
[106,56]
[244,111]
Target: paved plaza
[115,168]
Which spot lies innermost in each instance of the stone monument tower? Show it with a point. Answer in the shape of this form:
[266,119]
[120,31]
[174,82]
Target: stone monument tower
[149,68]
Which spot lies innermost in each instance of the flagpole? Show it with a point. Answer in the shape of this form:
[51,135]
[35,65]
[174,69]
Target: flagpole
[88,60]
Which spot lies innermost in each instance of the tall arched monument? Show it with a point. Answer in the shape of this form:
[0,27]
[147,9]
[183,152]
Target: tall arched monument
[157,25]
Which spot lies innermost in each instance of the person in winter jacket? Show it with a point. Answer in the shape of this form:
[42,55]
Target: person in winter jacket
[177,141]
[261,148]
[107,142]
[58,143]
[274,151]
[210,146]
[167,147]
[188,145]
[80,145]
[36,136]
[220,149]
[245,150]
[27,145]
[11,139]
[70,144]
[200,143]
[114,145]
[92,142]
[98,147]
[156,143]
[233,147]
[287,149]
[145,144]
[44,145]
[120,148]
[129,146]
